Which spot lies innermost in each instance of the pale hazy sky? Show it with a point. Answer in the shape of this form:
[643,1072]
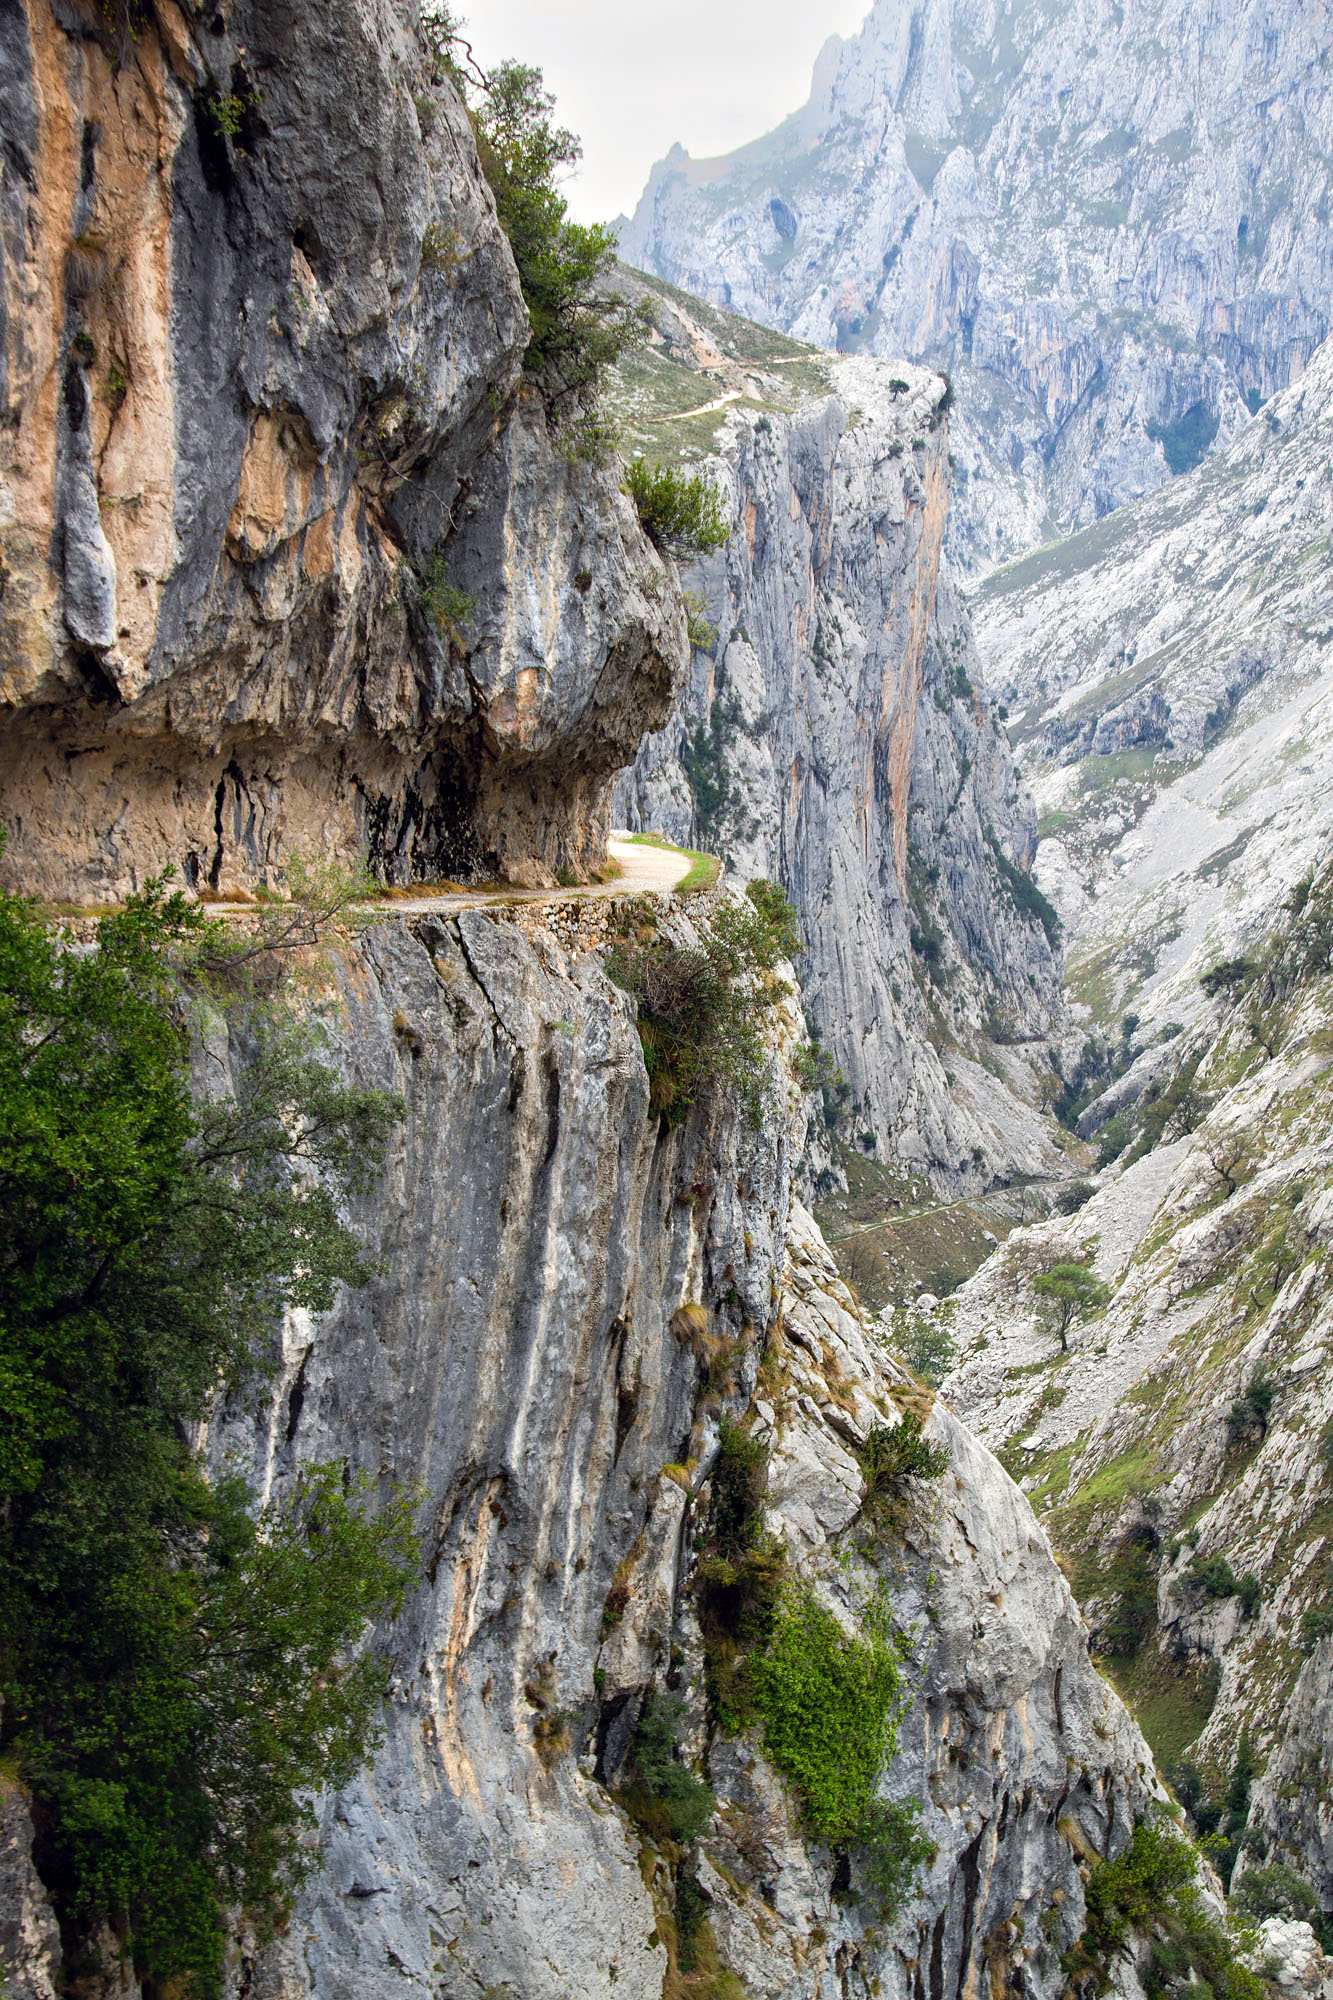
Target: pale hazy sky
[632,76]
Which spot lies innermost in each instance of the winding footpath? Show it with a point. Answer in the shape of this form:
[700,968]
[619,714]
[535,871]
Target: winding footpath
[644,869]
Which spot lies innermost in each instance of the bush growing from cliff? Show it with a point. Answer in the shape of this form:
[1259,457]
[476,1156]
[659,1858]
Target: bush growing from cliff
[579,328]
[742,1572]
[177,1670]
[681,511]
[829,1704]
[1213,1576]
[1276,1891]
[664,1795]
[447,607]
[1227,977]
[1150,1890]
[890,1455]
[827,1701]
[701,1009]
[700,629]
[1316,1624]
[1249,1413]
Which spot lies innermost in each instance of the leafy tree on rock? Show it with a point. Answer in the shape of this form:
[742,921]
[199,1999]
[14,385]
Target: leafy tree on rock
[178,1669]
[1069,1292]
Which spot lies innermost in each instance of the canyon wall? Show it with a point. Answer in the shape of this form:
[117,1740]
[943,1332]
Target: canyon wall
[262,345]
[1109,222]
[295,564]
[1179,1450]
[1168,673]
[836,734]
[575,1299]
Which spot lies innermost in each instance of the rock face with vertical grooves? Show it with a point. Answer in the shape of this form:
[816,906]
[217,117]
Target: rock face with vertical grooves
[260,381]
[1109,222]
[836,735]
[526,1360]
[293,559]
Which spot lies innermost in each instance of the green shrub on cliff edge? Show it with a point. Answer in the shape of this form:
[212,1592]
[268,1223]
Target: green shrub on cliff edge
[829,1704]
[701,1010]
[175,1669]
[826,1700]
[578,328]
[1150,1890]
[680,511]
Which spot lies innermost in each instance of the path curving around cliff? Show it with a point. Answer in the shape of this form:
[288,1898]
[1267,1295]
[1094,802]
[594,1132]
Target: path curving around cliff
[645,869]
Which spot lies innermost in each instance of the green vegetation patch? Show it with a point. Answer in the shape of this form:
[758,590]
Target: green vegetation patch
[827,1701]
[829,1704]
[177,1665]
[1171,1700]
[702,1009]
[1134,1471]
[578,326]
[664,1797]
[681,512]
[1151,1889]
[1071,557]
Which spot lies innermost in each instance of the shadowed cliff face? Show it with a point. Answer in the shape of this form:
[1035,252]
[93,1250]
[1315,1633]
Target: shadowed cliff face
[524,1360]
[262,340]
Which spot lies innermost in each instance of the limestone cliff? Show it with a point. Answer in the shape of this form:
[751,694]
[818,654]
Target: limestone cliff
[526,1359]
[293,561]
[836,734]
[1179,1451]
[1108,221]
[262,340]
[1168,673]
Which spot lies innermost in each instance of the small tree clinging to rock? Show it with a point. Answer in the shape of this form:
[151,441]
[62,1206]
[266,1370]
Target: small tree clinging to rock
[1069,1292]
[680,511]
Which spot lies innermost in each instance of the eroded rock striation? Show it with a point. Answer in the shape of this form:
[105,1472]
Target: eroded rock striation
[1108,222]
[574,1299]
[836,735]
[263,337]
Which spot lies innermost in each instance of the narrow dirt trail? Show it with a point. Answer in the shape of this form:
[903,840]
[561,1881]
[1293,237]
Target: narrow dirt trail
[643,869]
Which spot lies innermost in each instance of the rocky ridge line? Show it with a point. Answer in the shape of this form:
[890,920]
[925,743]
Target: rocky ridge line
[1109,223]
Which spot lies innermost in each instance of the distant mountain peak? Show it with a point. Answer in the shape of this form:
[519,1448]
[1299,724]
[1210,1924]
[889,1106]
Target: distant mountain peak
[1109,224]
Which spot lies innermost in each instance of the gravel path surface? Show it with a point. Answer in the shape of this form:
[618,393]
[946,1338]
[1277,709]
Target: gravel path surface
[643,869]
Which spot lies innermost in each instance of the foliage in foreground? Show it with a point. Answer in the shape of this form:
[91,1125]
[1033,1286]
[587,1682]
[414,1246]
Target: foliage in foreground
[1150,1889]
[701,1009]
[579,329]
[175,1669]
